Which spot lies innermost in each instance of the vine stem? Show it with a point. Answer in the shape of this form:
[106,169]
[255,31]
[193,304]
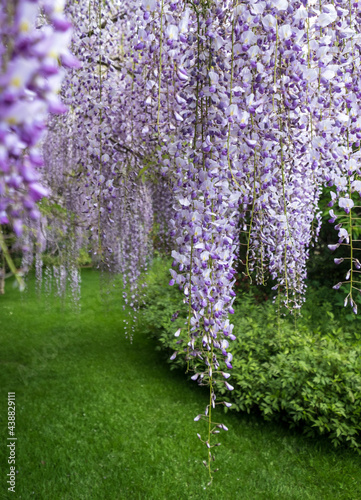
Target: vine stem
[350,223]
[191,255]
[252,215]
[10,262]
[100,250]
[160,62]
[275,69]
[210,413]
[285,213]
[190,304]
[231,99]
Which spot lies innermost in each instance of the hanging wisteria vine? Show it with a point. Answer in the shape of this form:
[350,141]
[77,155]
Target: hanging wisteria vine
[34,38]
[211,121]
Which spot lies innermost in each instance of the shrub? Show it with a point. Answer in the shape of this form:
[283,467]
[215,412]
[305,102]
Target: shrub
[307,374]
[300,375]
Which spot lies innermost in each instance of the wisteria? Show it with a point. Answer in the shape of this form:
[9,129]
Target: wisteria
[192,128]
[34,36]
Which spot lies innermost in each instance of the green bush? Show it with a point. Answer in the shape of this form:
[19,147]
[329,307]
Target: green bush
[298,374]
[307,374]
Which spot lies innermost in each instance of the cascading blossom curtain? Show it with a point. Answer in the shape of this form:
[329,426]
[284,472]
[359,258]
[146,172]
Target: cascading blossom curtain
[216,119]
[255,105]
[34,39]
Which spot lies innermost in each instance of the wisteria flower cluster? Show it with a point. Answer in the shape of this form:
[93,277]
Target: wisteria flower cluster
[254,108]
[215,121]
[34,37]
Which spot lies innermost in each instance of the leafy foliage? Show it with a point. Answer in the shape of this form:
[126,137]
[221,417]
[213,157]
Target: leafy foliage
[305,371]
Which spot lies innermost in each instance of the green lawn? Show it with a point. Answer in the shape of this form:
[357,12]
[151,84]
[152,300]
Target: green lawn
[100,418]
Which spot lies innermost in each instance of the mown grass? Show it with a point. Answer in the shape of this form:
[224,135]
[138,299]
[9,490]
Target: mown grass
[100,418]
